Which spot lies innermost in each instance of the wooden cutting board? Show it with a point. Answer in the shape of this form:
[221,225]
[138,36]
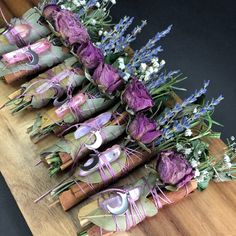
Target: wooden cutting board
[212,212]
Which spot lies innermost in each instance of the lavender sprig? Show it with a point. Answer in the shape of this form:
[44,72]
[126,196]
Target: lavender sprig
[145,57]
[176,128]
[156,82]
[115,40]
[119,29]
[88,5]
[148,52]
[152,42]
[179,107]
[132,36]
[209,106]
[109,41]
[179,126]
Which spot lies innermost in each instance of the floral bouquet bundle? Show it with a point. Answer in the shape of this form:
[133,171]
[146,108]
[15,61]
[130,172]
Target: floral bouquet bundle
[90,135]
[46,53]
[32,59]
[50,85]
[108,75]
[107,63]
[86,103]
[135,98]
[90,56]
[98,171]
[120,209]
[183,163]
[24,31]
[153,136]
[173,176]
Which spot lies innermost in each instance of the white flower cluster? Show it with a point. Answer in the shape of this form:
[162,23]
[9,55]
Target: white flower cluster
[188,133]
[121,62]
[184,150]
[226,163]
[102,32]
[93,22]
[201,176]
[195,110]
[232,144]
[65,7]
[147,70]
[194,163]
[82,3]
[98,4]
[193,160]
[77,3]
[122,67]
[112,1]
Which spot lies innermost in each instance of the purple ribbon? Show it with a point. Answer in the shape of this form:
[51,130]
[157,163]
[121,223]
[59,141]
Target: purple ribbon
[93,124]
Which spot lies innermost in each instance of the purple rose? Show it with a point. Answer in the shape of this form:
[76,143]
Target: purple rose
[144,129]
[174,169]
[137,97]
[50,11]
[90,56]
[70,28]
[107,78]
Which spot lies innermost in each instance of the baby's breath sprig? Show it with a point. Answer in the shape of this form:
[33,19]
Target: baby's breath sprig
[208,167]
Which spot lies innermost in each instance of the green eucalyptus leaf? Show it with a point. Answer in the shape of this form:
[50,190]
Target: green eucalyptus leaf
[112,132]
[106,221]
[88,76]
[144,147]
[171,188]
[148,183]
[111,59]
[69,118]
[204,184]
[94,105]
[116,166]
[36,125]
[60,146]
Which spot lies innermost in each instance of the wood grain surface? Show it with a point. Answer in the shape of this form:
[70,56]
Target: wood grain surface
[212,212]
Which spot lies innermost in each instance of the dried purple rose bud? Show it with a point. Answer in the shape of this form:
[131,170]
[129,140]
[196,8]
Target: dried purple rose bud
[90,56]
[143,129]
[70,28]
[107,78]
[50,10]
[174,169]
[137,97]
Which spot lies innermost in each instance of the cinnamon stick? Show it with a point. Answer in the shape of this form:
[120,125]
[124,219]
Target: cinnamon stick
[10,78]
[15,94]
[18,8]
[35,2]
[7,13]
[174,197]
[65,157]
